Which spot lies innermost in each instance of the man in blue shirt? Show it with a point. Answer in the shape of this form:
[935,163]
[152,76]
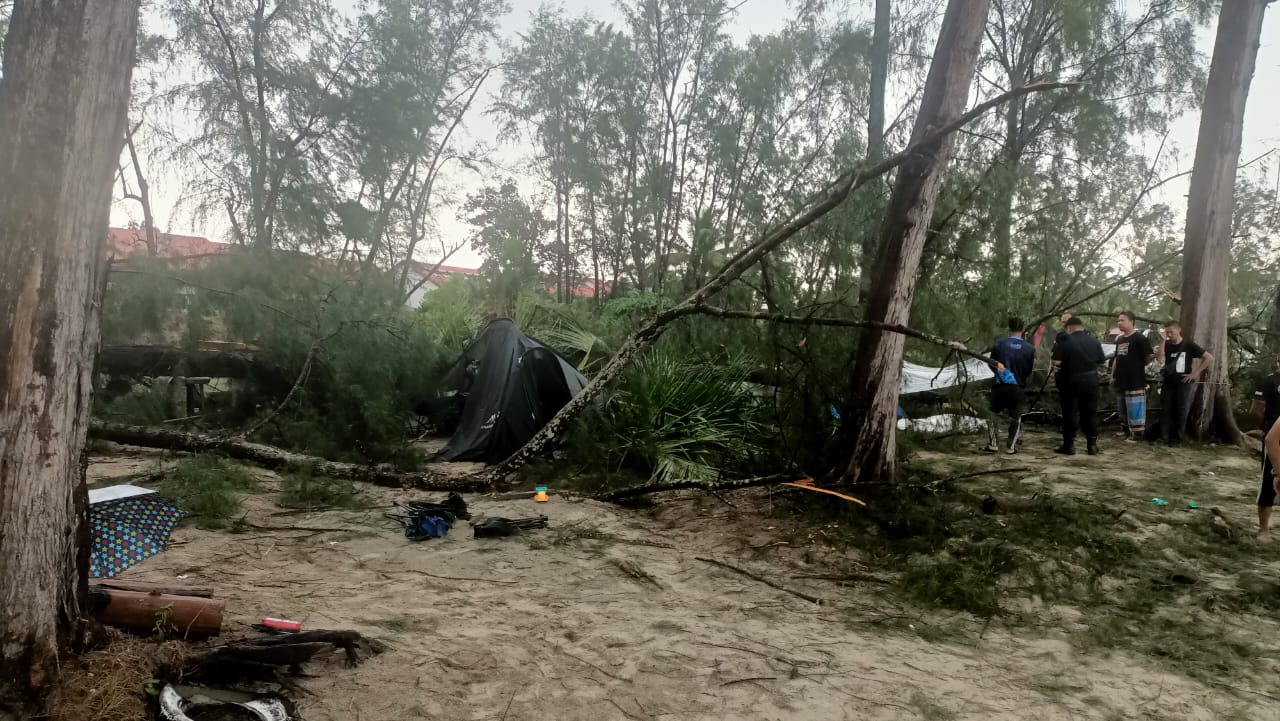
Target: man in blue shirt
[1014,358]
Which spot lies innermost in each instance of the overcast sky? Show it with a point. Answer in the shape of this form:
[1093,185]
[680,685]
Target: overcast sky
[1261,129]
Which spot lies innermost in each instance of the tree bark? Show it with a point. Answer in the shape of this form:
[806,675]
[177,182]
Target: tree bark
[275,458]
[1207,253]
[63,98]
[878,368]
[880,45]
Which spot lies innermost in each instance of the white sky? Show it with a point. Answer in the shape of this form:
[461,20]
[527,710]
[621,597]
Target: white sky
[1261,130]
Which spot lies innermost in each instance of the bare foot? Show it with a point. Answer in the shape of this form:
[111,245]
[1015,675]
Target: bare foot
[992,449]
[1264,537]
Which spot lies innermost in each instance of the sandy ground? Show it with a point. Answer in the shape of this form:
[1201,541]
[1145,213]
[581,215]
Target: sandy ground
[557,625]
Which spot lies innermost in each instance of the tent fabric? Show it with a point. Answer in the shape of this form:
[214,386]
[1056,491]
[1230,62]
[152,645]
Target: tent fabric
[918,378]
[512,384]
[128,529]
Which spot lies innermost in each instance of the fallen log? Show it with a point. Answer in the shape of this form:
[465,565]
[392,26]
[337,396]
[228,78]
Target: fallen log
[158,360]
[275,458]
[183,616]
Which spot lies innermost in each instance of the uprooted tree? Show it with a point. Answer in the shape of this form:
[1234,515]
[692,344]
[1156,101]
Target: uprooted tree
[1206,258]
[66,74]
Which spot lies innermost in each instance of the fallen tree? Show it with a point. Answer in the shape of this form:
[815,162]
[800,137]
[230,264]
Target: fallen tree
[826,200]
[277,458]
[159,360]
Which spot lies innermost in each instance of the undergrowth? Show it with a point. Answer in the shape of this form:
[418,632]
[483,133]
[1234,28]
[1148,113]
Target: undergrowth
[208,488]
[301,487]
[1184,594]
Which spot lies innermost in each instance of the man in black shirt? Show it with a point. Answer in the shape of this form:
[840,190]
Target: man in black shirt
[1129,376]
[1077,357]
[1265,412]
[1015,358]
[1185,363]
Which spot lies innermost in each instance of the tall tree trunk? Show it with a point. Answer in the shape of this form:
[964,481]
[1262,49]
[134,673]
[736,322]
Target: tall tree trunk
[878,368]
[62,106]
[875,126]
[1210,204]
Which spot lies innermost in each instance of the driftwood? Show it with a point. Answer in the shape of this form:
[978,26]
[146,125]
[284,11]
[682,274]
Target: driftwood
[276,458]
[148,588]
[183,616]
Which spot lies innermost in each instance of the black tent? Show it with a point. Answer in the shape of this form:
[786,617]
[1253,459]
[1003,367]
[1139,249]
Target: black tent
[512,385]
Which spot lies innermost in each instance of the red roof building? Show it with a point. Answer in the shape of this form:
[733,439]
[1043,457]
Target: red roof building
[124,242]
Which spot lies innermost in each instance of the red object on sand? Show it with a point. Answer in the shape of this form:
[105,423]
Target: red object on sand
[282,624]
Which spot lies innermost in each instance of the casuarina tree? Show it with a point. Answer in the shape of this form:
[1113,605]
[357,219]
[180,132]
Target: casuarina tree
[879,363]
[1206,260]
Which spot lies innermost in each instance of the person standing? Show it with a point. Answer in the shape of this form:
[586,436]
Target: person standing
[1265,411]
[1077,358]
[1015,358]
[1129,376]
[1185,363]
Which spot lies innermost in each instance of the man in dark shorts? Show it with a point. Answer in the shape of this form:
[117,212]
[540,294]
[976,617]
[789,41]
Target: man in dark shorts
[1265,412]
[1185,363]
[1077,358]
[1129,376]
[1015,358]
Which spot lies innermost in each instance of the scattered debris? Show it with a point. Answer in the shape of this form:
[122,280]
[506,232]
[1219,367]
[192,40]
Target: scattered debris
[498,527]
[177,699]
[633,569]
[761,579]
[129,524]
[428,519]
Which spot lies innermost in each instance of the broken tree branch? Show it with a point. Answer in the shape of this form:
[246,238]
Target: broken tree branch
[276,458]
[761,579]
[823,202]
[844,323]
[710,486]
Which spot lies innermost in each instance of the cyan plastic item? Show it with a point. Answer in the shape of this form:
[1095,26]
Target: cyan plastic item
[1159,501]
[1192,504]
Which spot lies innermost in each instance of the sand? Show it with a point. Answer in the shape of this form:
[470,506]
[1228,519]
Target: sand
[608,614]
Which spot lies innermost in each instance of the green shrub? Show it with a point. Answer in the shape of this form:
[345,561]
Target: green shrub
[143,404]
[302,488]
[674,419]
[208,488]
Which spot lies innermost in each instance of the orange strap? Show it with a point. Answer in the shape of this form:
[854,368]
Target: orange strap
[807,484]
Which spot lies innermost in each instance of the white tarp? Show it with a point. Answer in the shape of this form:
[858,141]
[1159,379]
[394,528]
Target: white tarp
[115,493]
[946,423]
[918,378]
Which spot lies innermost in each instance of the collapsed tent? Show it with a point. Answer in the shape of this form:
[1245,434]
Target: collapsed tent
[918,378]
[510,385]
